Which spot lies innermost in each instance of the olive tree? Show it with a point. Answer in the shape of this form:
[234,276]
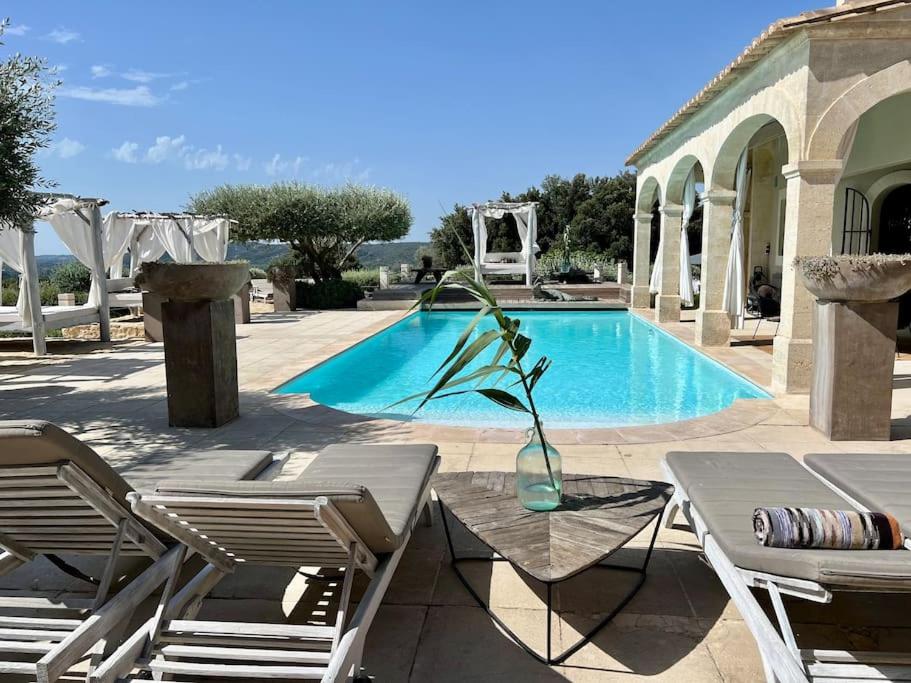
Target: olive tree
[323,226]
[26,124]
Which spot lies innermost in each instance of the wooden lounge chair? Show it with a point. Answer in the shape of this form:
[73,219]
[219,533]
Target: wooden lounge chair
[59,497]
[717,492]
[319,520]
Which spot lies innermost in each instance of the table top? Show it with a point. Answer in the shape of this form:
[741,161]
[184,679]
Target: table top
[598,516]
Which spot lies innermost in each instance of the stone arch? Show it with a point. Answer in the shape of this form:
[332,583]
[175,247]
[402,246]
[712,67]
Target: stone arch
[828,136]
[725,167]
[649,192]
[883,186]
[673,193]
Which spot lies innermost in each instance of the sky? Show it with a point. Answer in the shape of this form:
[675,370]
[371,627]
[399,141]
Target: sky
[443,102]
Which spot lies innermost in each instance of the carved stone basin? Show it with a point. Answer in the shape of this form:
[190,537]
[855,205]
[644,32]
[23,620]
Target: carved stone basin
[855,278]
[193,281]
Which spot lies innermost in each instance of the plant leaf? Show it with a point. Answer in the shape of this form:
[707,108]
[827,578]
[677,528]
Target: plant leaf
[460,342]
[468,355]
[521,343]
[503,398]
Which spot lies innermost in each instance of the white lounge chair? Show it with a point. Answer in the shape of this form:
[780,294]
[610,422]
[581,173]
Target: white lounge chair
[319,520]
[717,492]
[59,497]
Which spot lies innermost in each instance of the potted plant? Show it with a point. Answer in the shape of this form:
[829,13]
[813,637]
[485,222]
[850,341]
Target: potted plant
[539,482]
[282,273]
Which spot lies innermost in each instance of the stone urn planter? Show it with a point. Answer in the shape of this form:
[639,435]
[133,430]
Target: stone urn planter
[200,345]
[854,332]
[284,287]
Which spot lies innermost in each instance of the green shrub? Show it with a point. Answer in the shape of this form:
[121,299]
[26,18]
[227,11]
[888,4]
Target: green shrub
[328,294]
[257,274]
[49,292]
[71,277]
[10,295]
[363,278]
[551,263]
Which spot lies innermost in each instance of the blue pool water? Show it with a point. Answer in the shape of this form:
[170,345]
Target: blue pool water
[610,369]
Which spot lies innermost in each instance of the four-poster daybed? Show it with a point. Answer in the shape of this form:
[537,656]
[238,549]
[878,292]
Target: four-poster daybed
[78,223]
[505,263]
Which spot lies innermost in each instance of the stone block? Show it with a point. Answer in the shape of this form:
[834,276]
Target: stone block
[853,362]
[200,362]
[667,308]
[66,299]
[713,328]
[151,316]
[242,305]
[284,295]
[640,296]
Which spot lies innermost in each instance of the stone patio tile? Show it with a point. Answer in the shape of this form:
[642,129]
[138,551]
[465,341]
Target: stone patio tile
[497,583]
[462,644]
[734,652]
[656,648]
[393,641]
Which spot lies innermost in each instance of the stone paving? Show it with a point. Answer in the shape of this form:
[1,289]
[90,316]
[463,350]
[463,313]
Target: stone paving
[680,627]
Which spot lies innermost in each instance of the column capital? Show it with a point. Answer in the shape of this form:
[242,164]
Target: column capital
[642,217]
[719,197]
[815,171]
[672,210]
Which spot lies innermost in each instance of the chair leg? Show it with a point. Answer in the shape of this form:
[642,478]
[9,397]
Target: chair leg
[427,513]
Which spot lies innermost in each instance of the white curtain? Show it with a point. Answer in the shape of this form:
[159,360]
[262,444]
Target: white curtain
[210,239]
[686,272]
[479,233]
[116,232]
[734,274]
[75,232]
[11,253]
[176,234]
[656,269]
[144,246]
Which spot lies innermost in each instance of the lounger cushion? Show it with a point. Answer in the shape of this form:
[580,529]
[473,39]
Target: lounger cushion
[215,465]
[376,488]
[725,488]
[879,482]
[395,475]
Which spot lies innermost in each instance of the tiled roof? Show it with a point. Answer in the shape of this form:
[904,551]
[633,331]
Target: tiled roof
[769,39]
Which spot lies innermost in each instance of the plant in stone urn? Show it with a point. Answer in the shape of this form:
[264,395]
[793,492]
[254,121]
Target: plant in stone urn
[874,277]
[539,481]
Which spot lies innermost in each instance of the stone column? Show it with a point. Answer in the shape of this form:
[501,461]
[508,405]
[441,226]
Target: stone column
[713,324]
[621,272]
[667,303]
[384,277]
[242,305]
[807,232]
[642,234]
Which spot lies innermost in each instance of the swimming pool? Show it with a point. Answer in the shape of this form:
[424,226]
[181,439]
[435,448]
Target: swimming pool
[610,369]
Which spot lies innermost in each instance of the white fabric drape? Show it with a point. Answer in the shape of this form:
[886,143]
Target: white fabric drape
[11,253]
[116,232]
[144,245]
[479,234]
[176,234]
[210,239]
[75,231]
[656,269]
[686,272]
[733,301]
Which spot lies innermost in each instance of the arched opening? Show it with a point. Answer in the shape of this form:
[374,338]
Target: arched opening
[762,203]
[895,222]
[686,188]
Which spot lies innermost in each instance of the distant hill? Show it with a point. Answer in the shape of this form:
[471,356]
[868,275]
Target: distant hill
[260,254]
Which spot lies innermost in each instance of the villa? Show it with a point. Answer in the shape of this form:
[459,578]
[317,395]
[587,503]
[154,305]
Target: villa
[819,104]
[280,495]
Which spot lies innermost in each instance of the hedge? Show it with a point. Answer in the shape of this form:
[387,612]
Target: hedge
[328,294]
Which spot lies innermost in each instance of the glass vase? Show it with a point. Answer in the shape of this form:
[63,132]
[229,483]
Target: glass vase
[538,487]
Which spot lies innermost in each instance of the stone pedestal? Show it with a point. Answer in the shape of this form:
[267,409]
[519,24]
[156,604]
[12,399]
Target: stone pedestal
[242,305]
[667,308]
[853,362]
[640,297]
[713,328]
[151,316]
[66,299]
[284,295]
[200,362]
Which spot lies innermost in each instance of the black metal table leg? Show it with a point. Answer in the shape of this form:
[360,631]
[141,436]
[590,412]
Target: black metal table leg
[548,658]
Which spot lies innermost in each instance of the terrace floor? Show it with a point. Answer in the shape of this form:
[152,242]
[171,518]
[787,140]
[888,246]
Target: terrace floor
[680,627]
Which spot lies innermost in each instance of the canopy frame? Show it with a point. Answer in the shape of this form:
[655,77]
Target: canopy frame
[526,217]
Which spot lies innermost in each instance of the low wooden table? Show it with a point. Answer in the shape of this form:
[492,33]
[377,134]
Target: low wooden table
[598,516]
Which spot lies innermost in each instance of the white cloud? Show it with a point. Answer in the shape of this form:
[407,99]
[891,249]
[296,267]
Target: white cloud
[344,171]
[278,166]
[242,163]
[204,159]
[182,85]
[100,71]
[165,148]
[140,76]
[63,36]
[126,152]
[140,96]
[66,148]
[18,30]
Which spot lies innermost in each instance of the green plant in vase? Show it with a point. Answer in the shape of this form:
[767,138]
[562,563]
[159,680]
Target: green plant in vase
[503,379]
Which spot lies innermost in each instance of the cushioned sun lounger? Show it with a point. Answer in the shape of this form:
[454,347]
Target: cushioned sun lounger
[353,508]
[878,482]
[717,492]
[59,497]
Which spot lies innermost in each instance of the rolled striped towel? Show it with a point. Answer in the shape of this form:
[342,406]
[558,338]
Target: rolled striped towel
[781,527]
